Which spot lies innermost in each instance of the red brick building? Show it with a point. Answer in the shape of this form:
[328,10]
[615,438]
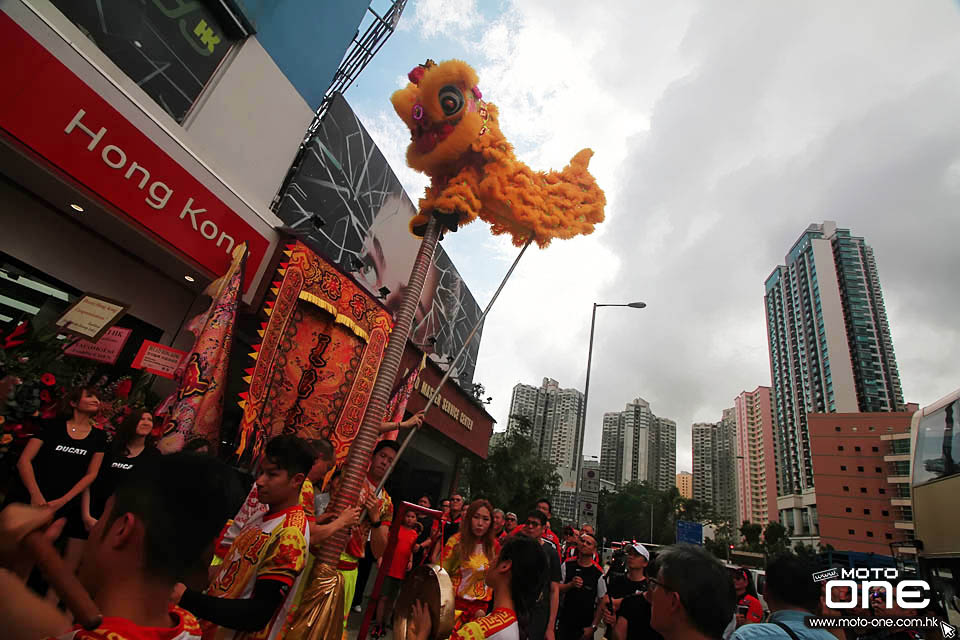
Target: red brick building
[862,474]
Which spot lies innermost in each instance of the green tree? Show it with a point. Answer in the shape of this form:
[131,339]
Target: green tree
[513,476]
[751,533]
[775,539]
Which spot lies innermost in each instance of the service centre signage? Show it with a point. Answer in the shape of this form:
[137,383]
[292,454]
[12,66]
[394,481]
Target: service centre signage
[52,111]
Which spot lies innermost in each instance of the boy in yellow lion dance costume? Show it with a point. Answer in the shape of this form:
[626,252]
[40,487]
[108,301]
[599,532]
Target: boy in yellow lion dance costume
[456,140]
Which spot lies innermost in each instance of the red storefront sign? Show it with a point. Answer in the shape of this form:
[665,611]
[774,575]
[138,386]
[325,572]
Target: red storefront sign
[157,358]
[52,111]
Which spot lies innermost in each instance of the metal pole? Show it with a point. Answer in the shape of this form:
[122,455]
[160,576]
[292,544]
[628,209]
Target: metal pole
[583,428]
[446,375]
[651,522]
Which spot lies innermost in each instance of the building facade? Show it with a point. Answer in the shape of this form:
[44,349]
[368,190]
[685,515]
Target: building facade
[638,446]
[714,470]
[140,146]
[624,446]
[830,352]
[756,470]
[862,467]
[685,484]
[662,453]
[555,416]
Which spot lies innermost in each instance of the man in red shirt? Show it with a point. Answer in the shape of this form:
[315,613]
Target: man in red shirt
[544,507]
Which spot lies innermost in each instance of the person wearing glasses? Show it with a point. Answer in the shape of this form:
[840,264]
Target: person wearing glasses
[626,611]
[509,525]
[543,617]
[456,515]
[692,596]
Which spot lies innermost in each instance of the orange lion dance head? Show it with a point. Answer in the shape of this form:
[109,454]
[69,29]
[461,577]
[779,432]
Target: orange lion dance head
[456,141]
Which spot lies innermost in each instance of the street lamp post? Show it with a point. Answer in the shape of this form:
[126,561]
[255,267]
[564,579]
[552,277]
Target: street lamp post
[586,397]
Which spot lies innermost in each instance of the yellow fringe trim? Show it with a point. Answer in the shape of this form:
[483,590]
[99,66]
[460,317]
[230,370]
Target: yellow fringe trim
[306,296]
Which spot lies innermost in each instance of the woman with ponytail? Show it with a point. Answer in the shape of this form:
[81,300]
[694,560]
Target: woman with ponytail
[467,556]
[516,581]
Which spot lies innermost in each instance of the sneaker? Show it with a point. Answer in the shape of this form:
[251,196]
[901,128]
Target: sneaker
[357,609]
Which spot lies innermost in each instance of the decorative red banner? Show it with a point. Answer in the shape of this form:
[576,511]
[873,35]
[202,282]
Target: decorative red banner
[107,349]
[157,358]
[56,114]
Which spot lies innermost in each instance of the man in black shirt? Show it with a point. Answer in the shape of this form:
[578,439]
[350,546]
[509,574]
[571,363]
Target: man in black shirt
[543,618]
[627,612]
[583,588]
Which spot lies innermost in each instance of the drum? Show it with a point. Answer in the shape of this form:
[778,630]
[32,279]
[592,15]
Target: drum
[431,585]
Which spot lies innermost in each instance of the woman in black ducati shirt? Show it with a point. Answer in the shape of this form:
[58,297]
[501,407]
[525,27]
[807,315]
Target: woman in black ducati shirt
[60,461]
[131,444]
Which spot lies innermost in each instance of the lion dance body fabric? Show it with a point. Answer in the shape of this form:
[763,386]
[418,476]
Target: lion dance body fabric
[456,140]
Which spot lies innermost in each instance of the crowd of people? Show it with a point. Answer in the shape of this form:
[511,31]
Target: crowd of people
[161,547]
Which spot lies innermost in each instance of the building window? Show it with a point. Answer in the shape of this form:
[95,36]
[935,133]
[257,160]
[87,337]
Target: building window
[866,512]
[845,488]
[860,469]
[840,447]
[856,448]
[171,53]
[875,449]
[843,467]
[879,469]
[849,510]
[837,429]
[863,489]
[883,491]
[869,534]
[889,536]
[885,513]
[851,532]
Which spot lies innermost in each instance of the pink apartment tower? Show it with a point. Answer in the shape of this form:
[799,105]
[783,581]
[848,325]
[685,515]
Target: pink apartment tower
[756,475]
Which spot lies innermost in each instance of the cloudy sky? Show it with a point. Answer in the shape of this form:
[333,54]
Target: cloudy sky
[721,131]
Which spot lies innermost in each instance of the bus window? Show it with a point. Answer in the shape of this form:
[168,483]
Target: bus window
[938,445]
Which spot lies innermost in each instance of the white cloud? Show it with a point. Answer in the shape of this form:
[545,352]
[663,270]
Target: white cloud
[443,18]
[720,135]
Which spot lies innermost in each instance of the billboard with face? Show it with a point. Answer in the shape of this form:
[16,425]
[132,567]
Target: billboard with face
[346,202]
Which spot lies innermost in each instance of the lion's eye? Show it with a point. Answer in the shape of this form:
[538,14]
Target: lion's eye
[451,100]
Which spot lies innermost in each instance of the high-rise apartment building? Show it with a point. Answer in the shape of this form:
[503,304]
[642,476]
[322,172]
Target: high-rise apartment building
[703,434]
[556,418]
[756,471]
[662,453]
[638,446]
[685,484]
[830,352]
[714,470]
[624,444]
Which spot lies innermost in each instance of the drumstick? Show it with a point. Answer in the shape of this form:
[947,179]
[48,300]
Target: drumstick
[78,601]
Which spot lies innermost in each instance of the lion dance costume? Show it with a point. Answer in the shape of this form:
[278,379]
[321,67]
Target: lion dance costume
[456,140]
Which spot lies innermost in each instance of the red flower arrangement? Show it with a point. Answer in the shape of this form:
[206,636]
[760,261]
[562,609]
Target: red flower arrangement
[123,389]
[48,380]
